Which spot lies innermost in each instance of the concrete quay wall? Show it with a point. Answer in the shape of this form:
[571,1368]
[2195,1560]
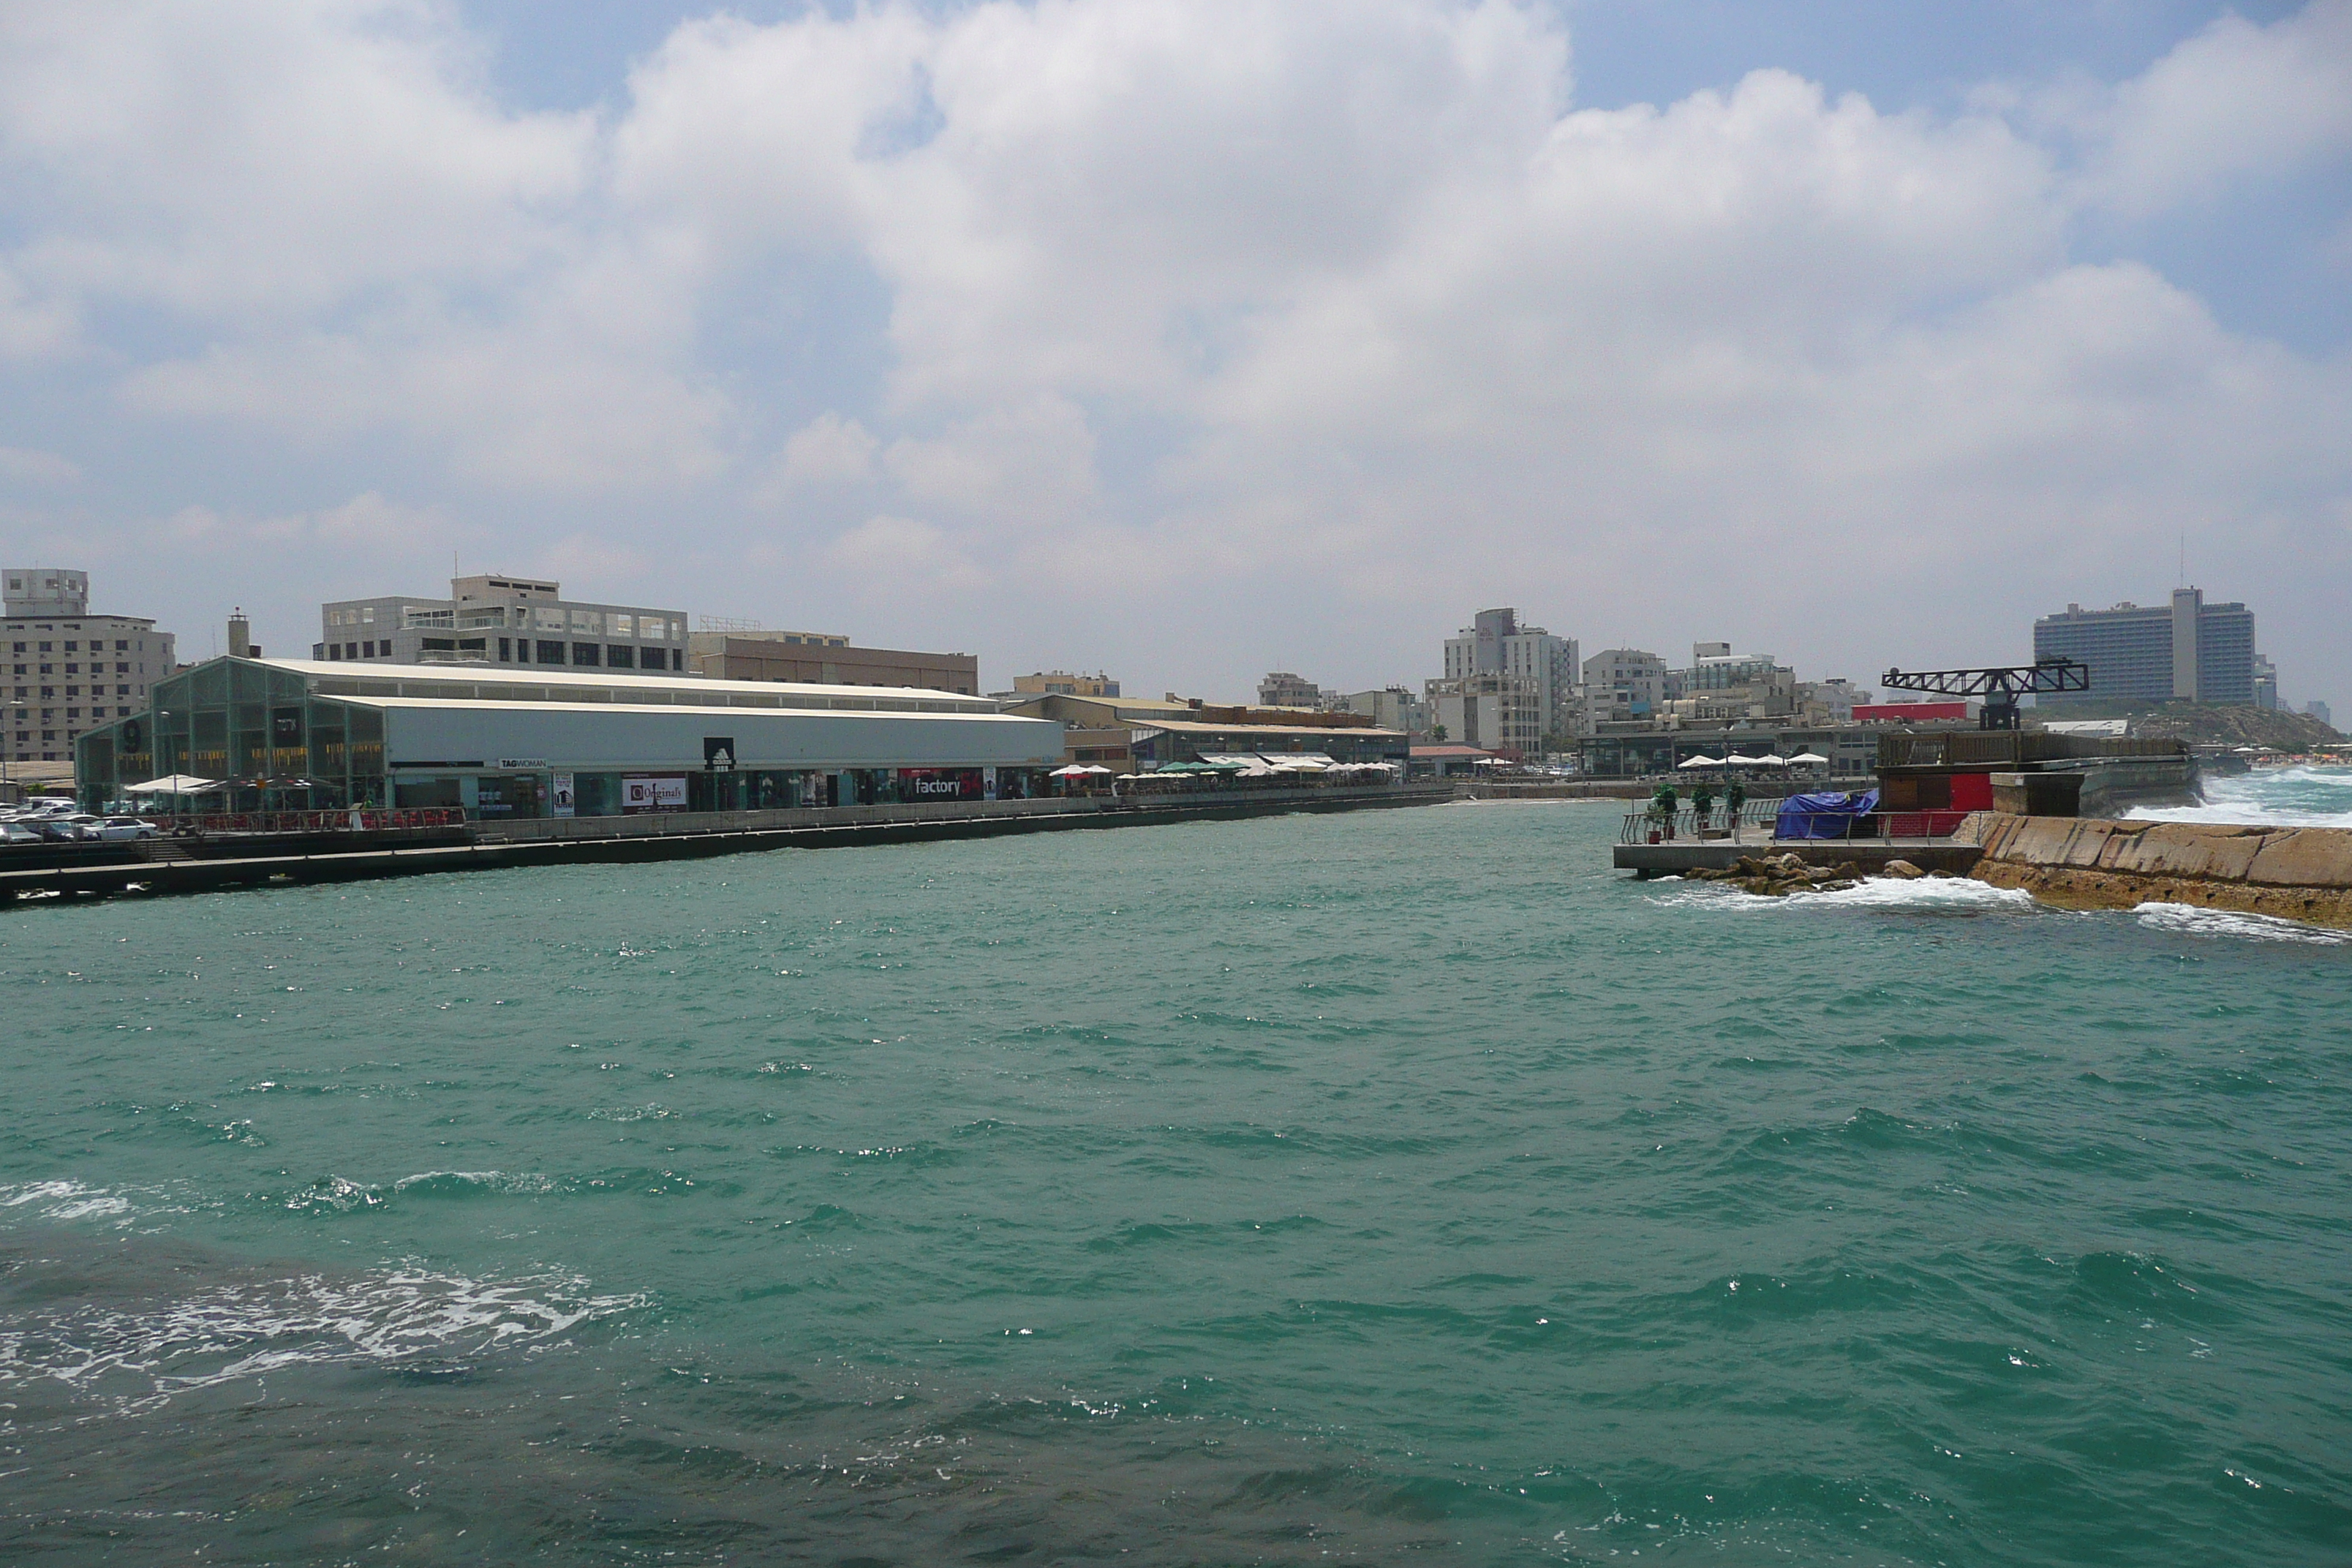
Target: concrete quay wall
[622,840]
[2294,873]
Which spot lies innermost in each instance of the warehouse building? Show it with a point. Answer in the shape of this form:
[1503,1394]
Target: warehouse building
[314,734]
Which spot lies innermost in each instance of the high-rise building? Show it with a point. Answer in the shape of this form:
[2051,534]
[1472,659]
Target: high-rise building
[67,669]
[1495,644]
[499,619]
[2265,683]
[2319,710]
[2153,653]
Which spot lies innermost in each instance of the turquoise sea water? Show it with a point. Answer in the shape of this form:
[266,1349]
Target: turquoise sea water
[1394,1186]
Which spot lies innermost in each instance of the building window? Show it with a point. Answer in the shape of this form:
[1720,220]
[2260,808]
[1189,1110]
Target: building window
[550,653]
[623,657]
[587,653]
[506,650]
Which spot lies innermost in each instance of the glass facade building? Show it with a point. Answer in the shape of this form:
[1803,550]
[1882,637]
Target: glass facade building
[295,736]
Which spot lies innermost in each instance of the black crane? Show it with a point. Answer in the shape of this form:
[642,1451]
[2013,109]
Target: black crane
[2001,685]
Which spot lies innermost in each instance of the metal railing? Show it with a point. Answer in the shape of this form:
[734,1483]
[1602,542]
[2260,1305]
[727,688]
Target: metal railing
[1754,820]
[358,820]
[1763,823]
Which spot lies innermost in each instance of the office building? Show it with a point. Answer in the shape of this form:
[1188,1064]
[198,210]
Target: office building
[826,660]
[2188,650]
[68,669]
[2319,710]
[499,619]
[1495,644]
[315,734]
[2265,683]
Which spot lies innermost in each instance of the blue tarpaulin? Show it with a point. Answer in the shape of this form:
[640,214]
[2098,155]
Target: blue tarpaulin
[1826,816]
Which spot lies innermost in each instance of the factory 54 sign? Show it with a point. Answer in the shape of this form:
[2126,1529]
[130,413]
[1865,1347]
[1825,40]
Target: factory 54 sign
[653,795]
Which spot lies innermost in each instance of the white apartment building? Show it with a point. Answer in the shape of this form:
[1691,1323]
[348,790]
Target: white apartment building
[1627,678]
[1390,708]
[500,619]
[68,670]
[1495,644]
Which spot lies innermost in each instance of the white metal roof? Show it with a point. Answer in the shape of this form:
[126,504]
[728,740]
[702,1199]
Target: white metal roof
[354,678]
[719,710]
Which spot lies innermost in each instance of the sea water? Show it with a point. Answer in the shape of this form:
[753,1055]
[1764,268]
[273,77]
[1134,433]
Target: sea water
[1389,1187]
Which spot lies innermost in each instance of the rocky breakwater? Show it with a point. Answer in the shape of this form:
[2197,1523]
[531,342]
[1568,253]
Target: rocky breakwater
[2294,873]
[1776,876]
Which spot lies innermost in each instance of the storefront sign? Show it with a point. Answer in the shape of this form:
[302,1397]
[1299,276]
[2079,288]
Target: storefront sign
[559,794]
[522,764]
[653,795]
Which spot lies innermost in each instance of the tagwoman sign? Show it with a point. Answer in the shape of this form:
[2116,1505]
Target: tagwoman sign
[653,794]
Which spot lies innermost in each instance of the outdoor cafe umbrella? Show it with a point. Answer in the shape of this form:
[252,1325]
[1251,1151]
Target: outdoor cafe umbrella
[171,783]
[1701,762]
[1075,771]
[1809,759]
[1737,761]
[1772,760]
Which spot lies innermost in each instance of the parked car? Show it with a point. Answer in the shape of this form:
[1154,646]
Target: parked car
[19,833]
[127,827]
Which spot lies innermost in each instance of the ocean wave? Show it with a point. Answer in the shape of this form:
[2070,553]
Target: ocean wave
[1923,895]
[2269,797]
[2232,925]
[132,1356]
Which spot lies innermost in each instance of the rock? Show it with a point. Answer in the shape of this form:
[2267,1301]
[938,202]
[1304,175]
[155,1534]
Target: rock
[1901,870]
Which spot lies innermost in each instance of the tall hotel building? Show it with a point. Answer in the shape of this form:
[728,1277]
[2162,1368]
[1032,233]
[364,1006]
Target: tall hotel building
[67,670]
[2155,653]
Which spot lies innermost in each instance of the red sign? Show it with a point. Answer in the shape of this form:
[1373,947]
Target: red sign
[1907,712]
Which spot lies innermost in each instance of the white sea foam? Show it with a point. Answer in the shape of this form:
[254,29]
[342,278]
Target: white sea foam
[133,1356]
[1923,895]
[2234,925]
[62,1201]
[2268,797]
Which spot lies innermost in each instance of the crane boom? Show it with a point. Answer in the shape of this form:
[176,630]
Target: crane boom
[1999,685]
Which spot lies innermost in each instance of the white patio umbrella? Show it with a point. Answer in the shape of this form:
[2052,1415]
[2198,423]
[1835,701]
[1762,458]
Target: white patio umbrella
[1102,771]
[1772,760]
[170,784]
[1737,761]
[1809,759]
[1075,771]
[1700,762]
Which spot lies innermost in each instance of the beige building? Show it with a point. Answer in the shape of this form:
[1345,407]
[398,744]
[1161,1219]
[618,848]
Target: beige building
[67,670]
[1062,683]
[824,659]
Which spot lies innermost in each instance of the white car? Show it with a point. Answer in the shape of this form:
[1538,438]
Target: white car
[19,833]
[126,827]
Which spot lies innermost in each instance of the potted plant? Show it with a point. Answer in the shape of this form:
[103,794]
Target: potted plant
[1701,806]
[1662,807]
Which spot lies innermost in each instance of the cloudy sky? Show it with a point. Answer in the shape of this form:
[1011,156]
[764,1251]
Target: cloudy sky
[1191,338]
